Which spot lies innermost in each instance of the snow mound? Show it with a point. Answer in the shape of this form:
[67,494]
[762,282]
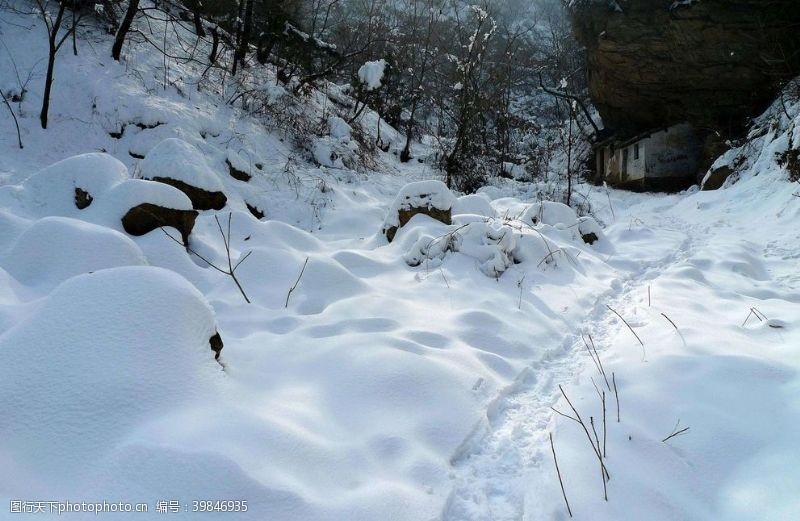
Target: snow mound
[474,204]
[51,191]
[551,213]
[176,159]
[106,351]
[55,249]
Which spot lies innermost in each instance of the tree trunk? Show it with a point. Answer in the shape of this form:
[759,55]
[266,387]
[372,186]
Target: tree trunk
[212,58]
[243,39]
[51,62]
[122,32]
[194,5]
[48,84]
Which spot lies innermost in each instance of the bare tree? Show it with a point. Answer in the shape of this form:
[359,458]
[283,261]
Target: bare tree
[55,39]
[124,27]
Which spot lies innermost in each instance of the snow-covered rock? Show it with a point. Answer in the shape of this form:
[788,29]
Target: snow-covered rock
[431,198]
[52,190]
[177,163]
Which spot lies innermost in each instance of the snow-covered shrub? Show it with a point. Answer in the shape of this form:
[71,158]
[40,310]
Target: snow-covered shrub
[490,243]
[431,198]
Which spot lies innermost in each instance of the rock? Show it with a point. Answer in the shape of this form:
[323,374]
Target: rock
[82,198]
[239,175]
[258,214]
[713,63]
[716,178]
[431,198]
[201,199]
[146,217]
[216,344]
[791,161]
[179,164]
[589,238]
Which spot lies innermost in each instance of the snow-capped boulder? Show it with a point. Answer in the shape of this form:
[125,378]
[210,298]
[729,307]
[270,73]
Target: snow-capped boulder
[177,163]
[105,352]
[142,206]
[590,231]
[238,168]
[73,183]
[431,198]
[55,249]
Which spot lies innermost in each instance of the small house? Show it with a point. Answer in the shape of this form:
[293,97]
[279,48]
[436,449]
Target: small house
[666,159]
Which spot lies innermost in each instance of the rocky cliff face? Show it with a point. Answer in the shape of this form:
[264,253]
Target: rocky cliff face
[714,63]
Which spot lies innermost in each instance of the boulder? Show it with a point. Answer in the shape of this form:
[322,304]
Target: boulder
[179,164]
[146,217]
[201,199]
[216,344]
[431,198]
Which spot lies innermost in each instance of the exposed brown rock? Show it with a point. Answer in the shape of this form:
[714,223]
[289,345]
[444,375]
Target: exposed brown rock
[82,198]
[201,199]
[147,217]
[216,344]
[258,214]
[237,174]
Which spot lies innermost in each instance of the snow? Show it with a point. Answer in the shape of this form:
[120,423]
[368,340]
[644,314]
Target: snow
[371,73]
[409,380]
[176,159]
[55,249]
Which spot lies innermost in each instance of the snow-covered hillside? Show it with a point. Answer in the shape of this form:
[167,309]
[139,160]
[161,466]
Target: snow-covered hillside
[367,379]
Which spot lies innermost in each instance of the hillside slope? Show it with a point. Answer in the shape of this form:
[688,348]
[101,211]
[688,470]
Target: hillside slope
[367,379]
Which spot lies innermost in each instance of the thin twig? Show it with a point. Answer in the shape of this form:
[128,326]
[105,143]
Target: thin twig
[16,123]
[644,353]
[602,469]
[599,362]
[676,432]
[671,322]
[616,394]
[558,471]
[289,294]
[586,431]
[605,431]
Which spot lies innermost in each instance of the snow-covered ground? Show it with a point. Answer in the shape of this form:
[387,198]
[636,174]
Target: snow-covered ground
[370,380]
